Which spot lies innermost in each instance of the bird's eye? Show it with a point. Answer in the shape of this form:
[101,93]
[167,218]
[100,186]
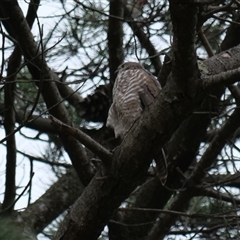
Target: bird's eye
[123,66]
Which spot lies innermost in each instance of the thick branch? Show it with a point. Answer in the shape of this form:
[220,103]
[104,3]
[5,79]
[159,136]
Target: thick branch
[232,37]
[9,125]
[181,151]
[115,37]
[53,202]
[224,78]
[184,65]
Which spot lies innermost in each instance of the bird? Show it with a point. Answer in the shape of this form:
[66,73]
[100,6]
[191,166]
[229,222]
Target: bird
[134,90]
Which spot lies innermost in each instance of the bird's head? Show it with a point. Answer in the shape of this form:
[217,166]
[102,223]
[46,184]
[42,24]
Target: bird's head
[129,66]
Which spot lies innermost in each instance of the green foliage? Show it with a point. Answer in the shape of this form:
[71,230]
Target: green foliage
[10,230]
[26,93]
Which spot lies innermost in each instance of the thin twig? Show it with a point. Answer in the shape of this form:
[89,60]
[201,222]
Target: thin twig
[205,43]
[183,214]
[21,194]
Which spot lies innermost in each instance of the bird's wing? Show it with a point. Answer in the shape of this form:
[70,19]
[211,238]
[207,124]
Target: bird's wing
[149,90]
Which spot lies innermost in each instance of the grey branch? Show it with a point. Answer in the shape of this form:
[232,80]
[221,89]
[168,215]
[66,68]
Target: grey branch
[94,146]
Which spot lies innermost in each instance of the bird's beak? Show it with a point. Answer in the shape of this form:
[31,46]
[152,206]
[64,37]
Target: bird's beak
[116,71]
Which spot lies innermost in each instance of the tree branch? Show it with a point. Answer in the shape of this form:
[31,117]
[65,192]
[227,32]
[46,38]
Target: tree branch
[224,78]
[184,63]
[176,213]
[92,145]
[53,202]
[230,180]
[9,120]
[9,125]
[182,199]
[115,38]
[202,191]
[39,70]
[232,37]
[144,41]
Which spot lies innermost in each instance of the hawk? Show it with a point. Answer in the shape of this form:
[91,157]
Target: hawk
[133,91]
